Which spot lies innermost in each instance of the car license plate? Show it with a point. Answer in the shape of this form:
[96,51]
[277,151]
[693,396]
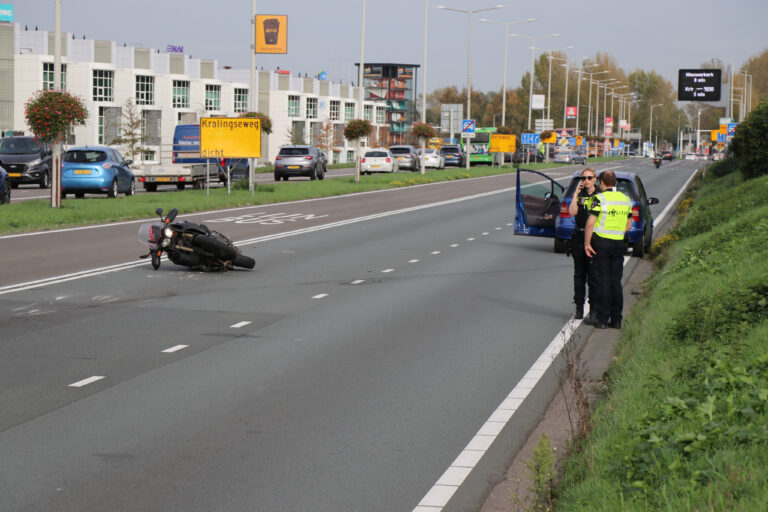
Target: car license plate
[164,179]
[399,157]
[375,166]
[82,171]
[14,174]
[294,167]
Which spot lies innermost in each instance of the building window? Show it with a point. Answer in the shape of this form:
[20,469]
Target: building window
[381,115]
[48,76]
[311,108]
[241,100]
[145,90]
[101,126]
[350,155]
[349,111]
[103,85]
[368,112]
[293,106]
[212,97]
[147,156]
[180,94]
[335,108]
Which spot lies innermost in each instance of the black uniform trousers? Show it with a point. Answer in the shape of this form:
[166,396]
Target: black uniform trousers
[607,269]
[582,270]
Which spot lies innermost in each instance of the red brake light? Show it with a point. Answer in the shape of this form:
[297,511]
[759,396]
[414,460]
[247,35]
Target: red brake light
[278,157]
[564,211]
[307,158]
[635,214]
[362,160]
[389,159]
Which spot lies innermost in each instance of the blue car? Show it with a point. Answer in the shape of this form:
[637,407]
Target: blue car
[542,209]
[5,187]
[96,170]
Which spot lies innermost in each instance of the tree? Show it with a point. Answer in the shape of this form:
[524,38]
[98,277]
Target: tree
[132,133]
[51,114]
[750,142]
[325,139]
[757,66]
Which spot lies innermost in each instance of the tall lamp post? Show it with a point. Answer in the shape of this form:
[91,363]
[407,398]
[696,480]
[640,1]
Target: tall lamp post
[549,73]
[589,107]
[650,127]
[504,81]
[424,89]
[533,66]
[600,83]
[578,92]
[469,14]
[361,90]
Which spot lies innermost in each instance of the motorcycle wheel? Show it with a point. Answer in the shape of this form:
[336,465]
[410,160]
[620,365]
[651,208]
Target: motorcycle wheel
[241,260]
[219,249]
[155,261]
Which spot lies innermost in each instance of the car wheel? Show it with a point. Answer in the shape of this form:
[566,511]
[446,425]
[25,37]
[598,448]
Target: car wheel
[277,177]
[180,186]
[638,248]
[14,185]
[5,194]
[313,175]
[560,245]
[131,189]
[45,180]
[150,187]
[112,193]
[321,176]
[78,195]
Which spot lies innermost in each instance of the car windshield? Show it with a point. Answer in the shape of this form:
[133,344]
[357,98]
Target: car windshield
[14,146]
[372,154]
[400,151]
[84,156]
[294,151]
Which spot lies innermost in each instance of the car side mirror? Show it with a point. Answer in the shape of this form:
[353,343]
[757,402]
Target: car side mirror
[653,200]
[128,162]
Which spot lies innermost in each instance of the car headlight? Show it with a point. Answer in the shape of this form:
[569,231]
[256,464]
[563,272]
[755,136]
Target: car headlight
[35,163]
[168,232]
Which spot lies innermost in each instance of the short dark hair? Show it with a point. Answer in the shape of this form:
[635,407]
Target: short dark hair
[608,179]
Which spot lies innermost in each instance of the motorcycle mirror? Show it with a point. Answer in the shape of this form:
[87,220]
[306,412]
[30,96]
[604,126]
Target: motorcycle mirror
[172,215]
[159,212]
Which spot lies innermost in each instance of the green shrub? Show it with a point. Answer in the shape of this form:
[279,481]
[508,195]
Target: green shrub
[720,168]
[750,143]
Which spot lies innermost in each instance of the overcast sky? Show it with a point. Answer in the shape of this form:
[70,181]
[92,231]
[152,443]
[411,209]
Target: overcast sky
[660,35]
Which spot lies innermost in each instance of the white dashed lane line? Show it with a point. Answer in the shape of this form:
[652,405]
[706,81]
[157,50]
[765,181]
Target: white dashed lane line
[85,382]
[387,270]
[434,253]
[413,261]
[240,324]
[358,281]
[174,349]
[470,239]
[454,245]
[320,296]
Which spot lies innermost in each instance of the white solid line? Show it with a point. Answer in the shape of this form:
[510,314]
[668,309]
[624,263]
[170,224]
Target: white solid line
[320,296]
[85,382]
[358,281]
[240,324]
[175,349]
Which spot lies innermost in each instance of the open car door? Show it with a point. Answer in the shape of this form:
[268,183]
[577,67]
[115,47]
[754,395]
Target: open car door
[538,203]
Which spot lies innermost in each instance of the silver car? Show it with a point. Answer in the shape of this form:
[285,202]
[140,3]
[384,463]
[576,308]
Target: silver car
[406,156]
[300,160]
[432,158]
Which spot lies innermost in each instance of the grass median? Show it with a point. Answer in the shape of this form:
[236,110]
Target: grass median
[34,215]
[685,423]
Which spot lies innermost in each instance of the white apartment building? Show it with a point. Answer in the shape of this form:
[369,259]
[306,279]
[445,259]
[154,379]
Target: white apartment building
[173,88]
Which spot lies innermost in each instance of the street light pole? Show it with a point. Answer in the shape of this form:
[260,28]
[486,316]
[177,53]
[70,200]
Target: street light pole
[533,67]
[650,127]
[360,90]
[506,45]
[424,89]
[469,14]
[589,108]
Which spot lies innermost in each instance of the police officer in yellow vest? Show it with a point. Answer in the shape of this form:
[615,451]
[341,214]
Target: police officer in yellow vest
[610,217]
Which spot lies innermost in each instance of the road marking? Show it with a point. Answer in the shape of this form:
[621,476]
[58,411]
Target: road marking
[454,245]
[498,229]
[387,270]
[435,252]
[358,281]
[470,239]
[485,233]
[175,349]
[320,296]
[85,382]
[240,324]
[444,489]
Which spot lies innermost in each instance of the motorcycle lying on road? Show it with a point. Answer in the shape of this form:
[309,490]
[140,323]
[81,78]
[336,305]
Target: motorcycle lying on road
[191,245]
[657,161]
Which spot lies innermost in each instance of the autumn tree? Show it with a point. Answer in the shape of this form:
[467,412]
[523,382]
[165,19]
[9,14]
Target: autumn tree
[132,130]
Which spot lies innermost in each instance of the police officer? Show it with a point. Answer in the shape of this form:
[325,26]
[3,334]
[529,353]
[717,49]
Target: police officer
[610,217]
[579,210]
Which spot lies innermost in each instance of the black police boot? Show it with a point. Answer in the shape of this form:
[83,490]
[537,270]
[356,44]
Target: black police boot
[579,314]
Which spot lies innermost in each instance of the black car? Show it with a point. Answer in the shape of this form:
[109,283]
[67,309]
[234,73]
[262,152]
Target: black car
[300,160]
[26,160]
[5,187]
[452,155]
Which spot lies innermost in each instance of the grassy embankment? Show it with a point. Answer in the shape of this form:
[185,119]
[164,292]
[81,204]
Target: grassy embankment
[34,215]
[685,422]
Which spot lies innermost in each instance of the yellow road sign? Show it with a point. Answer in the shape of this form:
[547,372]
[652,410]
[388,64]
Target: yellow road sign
[502,143]
[228,137]
[552,139]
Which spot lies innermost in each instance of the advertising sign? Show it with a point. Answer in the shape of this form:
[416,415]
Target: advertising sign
[699,84]
[271,33]
[6,12]
[230,137]
[502,143]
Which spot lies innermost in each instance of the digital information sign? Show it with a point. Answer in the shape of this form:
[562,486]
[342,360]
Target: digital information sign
[699,84]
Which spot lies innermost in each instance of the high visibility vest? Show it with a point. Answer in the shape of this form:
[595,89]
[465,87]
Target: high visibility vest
[615,208]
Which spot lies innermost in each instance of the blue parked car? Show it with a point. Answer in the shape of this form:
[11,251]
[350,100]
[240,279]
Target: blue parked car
[5,187]
[96,170]
[542,208]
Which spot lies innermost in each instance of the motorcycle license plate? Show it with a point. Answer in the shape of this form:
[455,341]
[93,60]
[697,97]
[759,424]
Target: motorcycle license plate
[294,167]
[14,174]
[82,171]
[163,179]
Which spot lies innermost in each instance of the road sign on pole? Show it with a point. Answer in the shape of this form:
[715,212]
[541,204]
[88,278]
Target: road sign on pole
[468,128]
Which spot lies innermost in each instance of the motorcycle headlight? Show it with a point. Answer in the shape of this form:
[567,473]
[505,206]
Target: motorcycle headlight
[166,242]
[168,232]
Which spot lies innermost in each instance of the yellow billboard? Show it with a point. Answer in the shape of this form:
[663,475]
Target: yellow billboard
[230,137]
[502,143]
[271,33]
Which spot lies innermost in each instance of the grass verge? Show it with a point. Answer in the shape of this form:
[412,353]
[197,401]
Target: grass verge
[685,424]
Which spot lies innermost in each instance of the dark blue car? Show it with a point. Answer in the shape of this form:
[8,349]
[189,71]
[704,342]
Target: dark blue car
[5,187]
[542,208]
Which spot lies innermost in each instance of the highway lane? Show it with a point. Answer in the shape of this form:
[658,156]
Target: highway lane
[375,350]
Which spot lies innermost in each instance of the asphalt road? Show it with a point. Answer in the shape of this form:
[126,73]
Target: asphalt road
[345,373]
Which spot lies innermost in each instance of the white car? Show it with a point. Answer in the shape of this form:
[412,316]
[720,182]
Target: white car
[433,159]
[378,160]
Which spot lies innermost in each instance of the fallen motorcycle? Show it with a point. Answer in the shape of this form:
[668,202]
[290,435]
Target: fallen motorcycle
[191,245]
